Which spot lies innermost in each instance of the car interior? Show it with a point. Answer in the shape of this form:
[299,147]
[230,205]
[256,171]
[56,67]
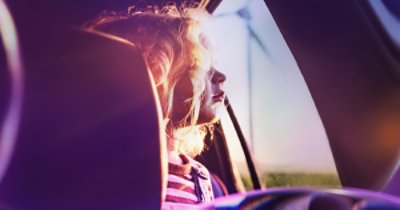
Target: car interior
[74,148]
[80,123]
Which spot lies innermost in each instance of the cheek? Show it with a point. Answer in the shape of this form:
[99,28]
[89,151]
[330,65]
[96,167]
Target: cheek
[180,105]
[207,94]
[183,89]
[207,110]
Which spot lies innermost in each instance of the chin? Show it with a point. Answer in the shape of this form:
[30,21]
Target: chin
[209,115]
[208,119]
[214,120]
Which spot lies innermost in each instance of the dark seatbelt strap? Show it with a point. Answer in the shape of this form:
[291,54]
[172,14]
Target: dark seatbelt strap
[196,176]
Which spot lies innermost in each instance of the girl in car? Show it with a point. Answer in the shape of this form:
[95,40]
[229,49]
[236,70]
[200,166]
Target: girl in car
[179,56]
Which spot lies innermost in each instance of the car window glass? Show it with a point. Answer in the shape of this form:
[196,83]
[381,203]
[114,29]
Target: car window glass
[240,169]
[270,98]
[388,13]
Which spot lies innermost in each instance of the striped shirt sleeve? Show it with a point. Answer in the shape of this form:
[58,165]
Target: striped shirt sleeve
[188,183]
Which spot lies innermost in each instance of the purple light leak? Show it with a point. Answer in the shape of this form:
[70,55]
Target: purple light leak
[9,129]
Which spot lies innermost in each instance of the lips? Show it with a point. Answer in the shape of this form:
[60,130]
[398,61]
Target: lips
[220,97]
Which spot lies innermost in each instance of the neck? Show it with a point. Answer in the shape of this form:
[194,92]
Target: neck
[173,157]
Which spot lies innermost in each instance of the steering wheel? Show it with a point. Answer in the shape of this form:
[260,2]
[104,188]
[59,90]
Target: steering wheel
[309,198]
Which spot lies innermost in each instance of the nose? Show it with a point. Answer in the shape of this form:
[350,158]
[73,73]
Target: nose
[218,77]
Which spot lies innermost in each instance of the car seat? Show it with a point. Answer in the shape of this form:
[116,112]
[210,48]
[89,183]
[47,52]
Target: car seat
[89,134]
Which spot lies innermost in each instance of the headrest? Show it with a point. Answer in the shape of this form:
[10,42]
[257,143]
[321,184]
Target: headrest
[75,13]
[90,131]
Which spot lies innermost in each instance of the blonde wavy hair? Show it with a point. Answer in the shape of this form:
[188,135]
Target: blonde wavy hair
[172,42]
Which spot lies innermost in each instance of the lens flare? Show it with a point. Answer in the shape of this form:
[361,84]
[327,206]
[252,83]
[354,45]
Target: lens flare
[9,126]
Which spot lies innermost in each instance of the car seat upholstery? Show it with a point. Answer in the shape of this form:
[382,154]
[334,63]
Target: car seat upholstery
[90,135]
[218,187]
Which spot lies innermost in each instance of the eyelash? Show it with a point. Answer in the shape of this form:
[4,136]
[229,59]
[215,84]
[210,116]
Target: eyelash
[211,72]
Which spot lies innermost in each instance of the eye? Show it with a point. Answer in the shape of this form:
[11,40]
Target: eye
[211,72]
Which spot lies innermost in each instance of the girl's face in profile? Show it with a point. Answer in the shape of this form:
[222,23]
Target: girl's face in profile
[212,98]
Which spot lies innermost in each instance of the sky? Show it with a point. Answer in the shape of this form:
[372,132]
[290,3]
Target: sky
[287,132]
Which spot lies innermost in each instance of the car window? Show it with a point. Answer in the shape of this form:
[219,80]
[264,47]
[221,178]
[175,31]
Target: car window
[270,98]
[388,13]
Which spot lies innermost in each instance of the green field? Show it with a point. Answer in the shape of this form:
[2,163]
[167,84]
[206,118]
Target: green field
[296,180]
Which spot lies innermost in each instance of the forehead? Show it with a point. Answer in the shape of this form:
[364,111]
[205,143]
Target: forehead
[208,45]
[206,42]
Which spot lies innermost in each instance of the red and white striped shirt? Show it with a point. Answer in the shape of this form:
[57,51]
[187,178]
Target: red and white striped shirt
[188,182]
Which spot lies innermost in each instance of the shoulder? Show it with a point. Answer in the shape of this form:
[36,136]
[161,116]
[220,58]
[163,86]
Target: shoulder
[198,166]
[202,175]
